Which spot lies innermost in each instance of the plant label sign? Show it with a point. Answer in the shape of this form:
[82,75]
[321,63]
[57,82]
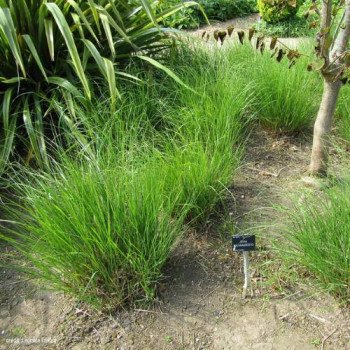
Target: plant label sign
[243,243]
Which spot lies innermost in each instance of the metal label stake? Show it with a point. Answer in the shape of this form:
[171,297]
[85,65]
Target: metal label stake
[244,243]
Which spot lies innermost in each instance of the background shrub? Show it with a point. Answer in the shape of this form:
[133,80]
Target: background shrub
[223,10]
[298,25]
[279,10]
[187,17]
[215,10]
[294,27]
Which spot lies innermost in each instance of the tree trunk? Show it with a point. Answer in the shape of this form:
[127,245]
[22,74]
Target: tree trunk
[332,69]
[322,128]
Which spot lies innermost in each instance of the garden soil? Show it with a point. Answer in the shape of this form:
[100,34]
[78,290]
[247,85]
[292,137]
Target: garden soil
[199,302]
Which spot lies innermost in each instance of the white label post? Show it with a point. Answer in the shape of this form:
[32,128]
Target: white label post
[246,265]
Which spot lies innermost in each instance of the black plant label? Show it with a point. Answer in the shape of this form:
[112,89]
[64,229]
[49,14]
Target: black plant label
[241,243]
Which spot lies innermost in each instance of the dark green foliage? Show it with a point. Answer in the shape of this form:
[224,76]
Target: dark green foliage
[303,23]
[223,10]
[216,10]
[295,27]
[188,17]
[53,50]
[273,11]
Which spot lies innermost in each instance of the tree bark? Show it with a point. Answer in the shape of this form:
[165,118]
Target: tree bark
[333,62]
[322,128]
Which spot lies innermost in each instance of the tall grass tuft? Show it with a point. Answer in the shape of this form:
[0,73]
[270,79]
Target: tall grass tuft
[102,223]
[101,230]
[319,239]
[212,123]
[286,99]
[342,114]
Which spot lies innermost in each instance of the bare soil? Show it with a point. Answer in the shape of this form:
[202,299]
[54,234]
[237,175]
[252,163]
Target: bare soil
[200,304]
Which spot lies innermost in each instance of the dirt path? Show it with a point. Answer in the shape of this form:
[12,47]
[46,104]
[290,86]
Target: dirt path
[242,23]
[200,304]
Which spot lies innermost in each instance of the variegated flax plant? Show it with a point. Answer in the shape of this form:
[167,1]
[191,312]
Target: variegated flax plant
[53,50]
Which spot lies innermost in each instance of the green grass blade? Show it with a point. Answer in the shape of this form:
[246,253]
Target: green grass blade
[146,6]
[32,134]
[29,20]
[83,18]
[9,31]
[107,29]
[39,129]
[7,143]
[13,80]
[166,70]
[96,55]
[75,133]
[117,14]
[107,69]
[66,85]
[78,25]
[48,23]
[94,12]
[129,76]
[110,73]
[121,32]
[6,103]
[68,37]
[34,52]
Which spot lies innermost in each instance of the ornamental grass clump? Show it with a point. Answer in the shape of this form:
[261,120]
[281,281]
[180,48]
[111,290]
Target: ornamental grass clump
[100,231]
[285,97]
[318,239]
[102,222]
[211,122]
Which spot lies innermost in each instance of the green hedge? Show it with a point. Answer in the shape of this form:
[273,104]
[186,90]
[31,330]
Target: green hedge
[220,10]
[296,26]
